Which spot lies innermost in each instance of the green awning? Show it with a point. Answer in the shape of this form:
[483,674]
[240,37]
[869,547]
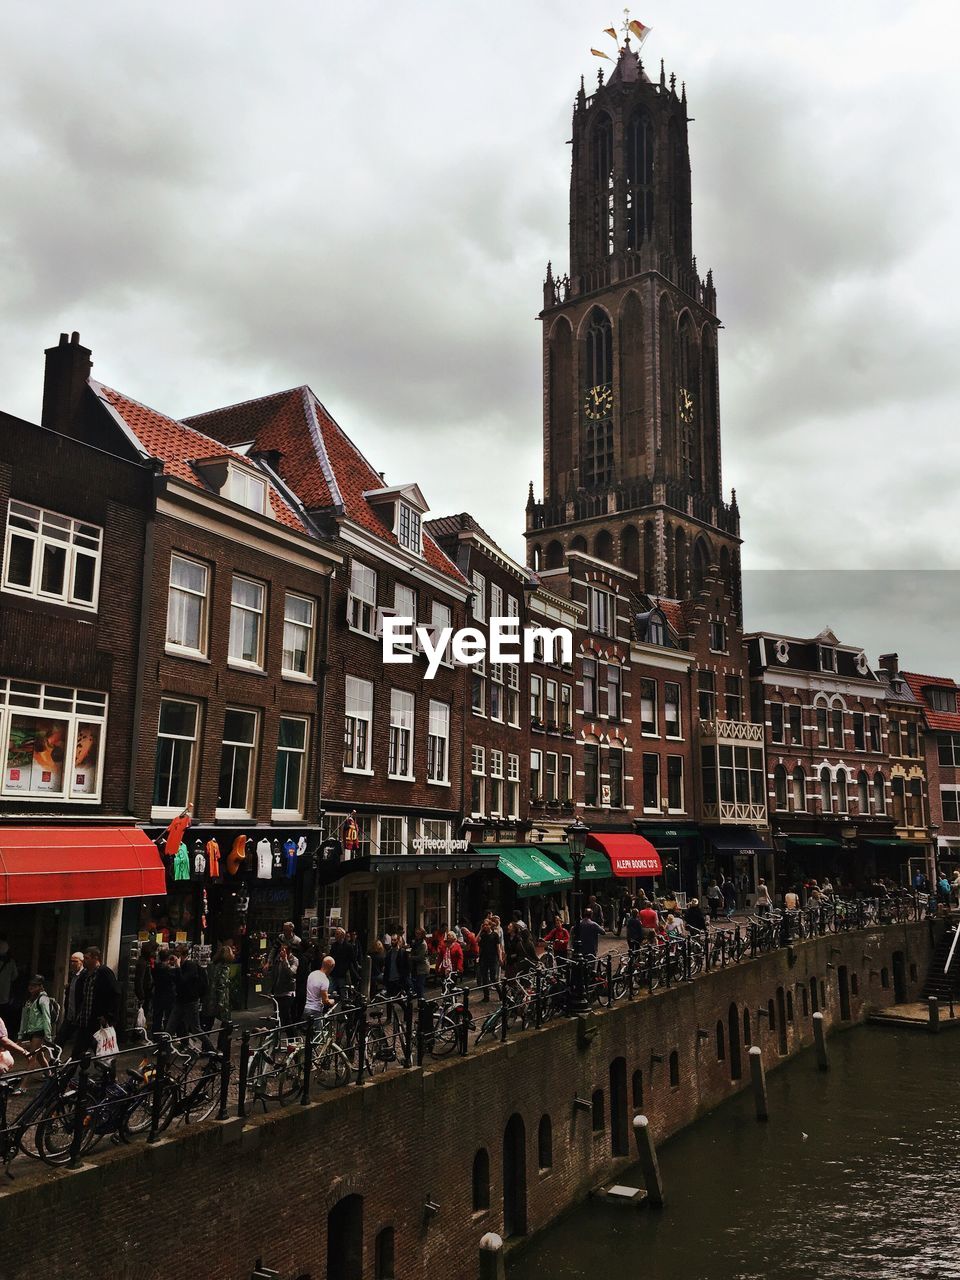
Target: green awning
[891,842]
[530,871]
[818,842]
[595,866]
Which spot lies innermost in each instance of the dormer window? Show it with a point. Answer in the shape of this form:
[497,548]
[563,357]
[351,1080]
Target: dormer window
[941,699]
[408,528]
[248,490]
[828,658]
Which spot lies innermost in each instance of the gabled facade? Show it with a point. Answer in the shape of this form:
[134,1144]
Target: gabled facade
[938,698]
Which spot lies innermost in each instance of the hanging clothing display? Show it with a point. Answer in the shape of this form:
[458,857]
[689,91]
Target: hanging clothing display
[351,835]
[290,858]
[264,860]
[213,859]
[199,868]
[276,854]
[181,864]
[175,834]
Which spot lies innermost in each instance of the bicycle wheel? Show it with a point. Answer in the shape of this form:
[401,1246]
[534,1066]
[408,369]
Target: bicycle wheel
[379,1050]
[331,1066]
[446,1036]
[138,1116]
[202,1100]
[53,1137]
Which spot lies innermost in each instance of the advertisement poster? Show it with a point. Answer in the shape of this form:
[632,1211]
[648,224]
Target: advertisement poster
[86,759]
[35,755]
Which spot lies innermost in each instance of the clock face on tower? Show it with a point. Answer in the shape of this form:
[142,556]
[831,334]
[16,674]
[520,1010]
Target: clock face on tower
[598,403]
[685,404]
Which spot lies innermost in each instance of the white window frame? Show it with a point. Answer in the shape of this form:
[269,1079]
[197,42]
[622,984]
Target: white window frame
[55,707]
[478,768]
[551,776]
[290,673]
[496,600]
[479,604]
[260,614]
[512,709]
[302,753]
[955,792]
[402,724]
[683,783]
[438,731]
[242,484]
[441,616]
[565,783]
[641,699]
[362,599]
[49,529]
[536,698]
[411,536]
[405,606]
[603,612]
[173,646]
[231,811]
[678,736]
[357,712]
[172,811]
[498,693]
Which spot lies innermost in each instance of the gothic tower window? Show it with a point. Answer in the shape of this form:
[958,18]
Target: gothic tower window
[596,463]
[632,372]
[668,398]
[561,403]
[649,557]
[639,145]
[602,149]
[630,549]
[688,408]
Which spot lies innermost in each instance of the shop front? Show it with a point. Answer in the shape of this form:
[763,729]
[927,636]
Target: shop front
[681,855]
[63,889]
[741,854]
[531,883]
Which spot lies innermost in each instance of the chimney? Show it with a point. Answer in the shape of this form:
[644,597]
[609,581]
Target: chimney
[890,662]
[65,377]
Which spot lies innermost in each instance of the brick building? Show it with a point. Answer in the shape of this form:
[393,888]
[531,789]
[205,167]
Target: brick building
[831,788]
[937,697]
[232,627]
[393,743]
[73,533]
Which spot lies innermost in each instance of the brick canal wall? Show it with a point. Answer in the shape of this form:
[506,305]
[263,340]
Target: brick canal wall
[210,1203]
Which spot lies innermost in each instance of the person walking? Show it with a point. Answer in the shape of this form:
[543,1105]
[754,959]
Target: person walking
[764,901]
[590,935]
[216,1002]
[714,899]
[396,967]
[98,1000]
[490,958]
[36,1018]
[70,1021]
[419,963]
[635,931]
[190,990]
[164,990]
[626,906]
[729,891]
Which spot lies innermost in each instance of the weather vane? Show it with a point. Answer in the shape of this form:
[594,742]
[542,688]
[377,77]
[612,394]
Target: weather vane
[631,27]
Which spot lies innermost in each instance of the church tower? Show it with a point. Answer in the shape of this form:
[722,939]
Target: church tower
[631,456]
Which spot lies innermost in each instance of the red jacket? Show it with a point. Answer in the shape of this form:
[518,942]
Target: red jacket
[456,956]
[559,935]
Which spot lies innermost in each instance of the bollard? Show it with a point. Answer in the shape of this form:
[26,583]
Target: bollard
[933,1007]
[759,1082]
[491,1257]
[647,1155]
[820,1042]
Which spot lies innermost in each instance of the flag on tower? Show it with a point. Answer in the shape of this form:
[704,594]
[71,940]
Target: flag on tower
[598,53]
[639,30]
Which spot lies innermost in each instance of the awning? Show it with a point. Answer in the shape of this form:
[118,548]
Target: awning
[530,871]
[77,864]
[891,842]
[629,855]
[459,864]
[662,833]
[594,866]
[813,842]
[736,838]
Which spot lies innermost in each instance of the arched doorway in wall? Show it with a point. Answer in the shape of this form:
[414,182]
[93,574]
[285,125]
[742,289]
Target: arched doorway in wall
[603,546]
[619,1119]
[345,1239]
[515,1177]
[554,558]
[733,1034]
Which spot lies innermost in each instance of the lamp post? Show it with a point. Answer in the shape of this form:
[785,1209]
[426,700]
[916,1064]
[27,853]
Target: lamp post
[576,835]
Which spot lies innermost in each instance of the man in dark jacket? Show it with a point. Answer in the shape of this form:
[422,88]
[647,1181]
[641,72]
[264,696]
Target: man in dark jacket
[396,967]
[346,966]
[98,1000]
[191,986]
[590,934]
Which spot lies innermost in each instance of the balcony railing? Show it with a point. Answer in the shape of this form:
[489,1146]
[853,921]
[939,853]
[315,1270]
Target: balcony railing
[731,811]
[730,731]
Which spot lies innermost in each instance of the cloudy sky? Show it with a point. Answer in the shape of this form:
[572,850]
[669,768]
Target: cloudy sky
[226,199]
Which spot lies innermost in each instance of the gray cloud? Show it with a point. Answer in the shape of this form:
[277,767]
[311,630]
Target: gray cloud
[227,200]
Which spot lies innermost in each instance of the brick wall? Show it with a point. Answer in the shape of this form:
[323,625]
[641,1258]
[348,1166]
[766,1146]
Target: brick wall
[219,1198]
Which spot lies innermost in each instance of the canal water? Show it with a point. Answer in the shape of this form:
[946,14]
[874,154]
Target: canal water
[857,1174]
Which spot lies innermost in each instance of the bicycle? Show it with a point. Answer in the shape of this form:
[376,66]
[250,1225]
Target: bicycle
[329,1061]
[183,1095]
[50,1107]
[275,1065]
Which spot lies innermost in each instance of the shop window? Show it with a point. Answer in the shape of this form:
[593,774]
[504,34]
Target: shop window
[52,557]
[54,741]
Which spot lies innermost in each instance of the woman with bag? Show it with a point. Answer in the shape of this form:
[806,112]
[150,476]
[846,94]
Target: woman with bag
[36,1020]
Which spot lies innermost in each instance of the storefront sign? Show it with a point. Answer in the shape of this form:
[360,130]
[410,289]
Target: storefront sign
[424,845]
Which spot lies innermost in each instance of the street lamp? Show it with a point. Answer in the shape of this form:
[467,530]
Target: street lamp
[576,834]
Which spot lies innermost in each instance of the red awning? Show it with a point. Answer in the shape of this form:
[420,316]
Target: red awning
[73,864]
[629,855]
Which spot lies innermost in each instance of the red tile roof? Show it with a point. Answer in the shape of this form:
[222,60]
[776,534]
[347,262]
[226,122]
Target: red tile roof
[947,721]
[178,445]
[672,610]
[319,461]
